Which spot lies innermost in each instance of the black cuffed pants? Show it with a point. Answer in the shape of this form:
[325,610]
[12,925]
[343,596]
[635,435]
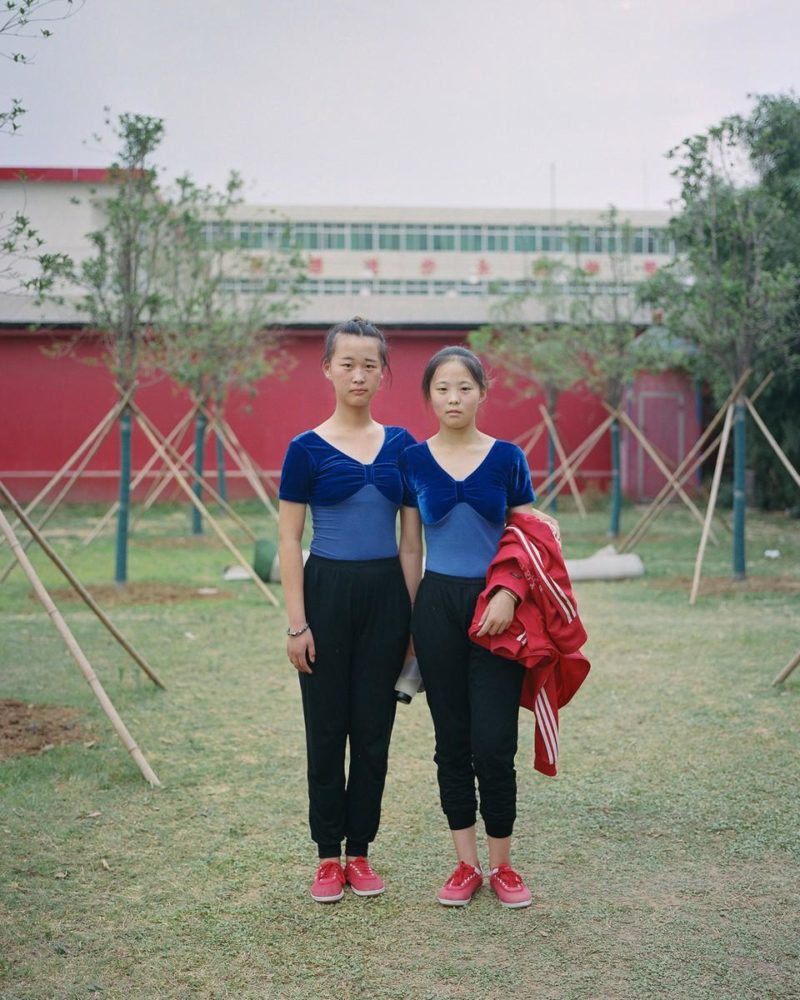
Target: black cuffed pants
[474,701]
[359,614]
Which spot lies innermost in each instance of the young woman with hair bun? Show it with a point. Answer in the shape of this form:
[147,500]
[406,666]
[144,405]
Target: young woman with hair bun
[465,484]
[349,608]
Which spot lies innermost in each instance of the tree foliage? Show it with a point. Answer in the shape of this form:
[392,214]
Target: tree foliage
[219,303]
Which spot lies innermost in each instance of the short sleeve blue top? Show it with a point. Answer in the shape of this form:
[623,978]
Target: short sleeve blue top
[464,518]
[353,506]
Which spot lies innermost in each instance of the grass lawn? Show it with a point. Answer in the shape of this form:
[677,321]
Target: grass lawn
[663,859]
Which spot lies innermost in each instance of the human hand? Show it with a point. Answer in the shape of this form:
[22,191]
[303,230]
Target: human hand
[301,651]
[498,614]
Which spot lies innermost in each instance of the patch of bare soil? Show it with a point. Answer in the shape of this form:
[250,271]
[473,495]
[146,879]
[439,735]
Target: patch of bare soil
[110,595]
[721,585]
[175,542]
[30,729]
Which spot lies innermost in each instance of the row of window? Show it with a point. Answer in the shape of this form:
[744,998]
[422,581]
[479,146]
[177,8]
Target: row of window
[345,286]
[435,238]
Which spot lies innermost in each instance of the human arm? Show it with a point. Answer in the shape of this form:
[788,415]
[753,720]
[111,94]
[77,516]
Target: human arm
[548,519]
[291,521]
[410,548]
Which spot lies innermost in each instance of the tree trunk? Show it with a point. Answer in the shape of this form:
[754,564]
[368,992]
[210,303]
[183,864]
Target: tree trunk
[739,491]
[121,562]
[221,466]
[616,485]
[199,448]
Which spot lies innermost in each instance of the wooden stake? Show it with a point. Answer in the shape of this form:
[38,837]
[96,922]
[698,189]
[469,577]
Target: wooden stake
[181,481]
[682,473]
[258,473]
[64,490]
[575,458]
[776,447]
[78,654]
[551,428]
[79,587]
[662,468]
[176,431]
[712,501]
[99,429]
[781,677]
[206,485]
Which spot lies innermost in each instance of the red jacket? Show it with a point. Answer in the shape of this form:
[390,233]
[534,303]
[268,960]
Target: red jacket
[546,634]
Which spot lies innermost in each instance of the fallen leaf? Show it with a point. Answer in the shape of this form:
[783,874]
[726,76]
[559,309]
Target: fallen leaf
[62,874]
[93,815]
[105,864]
[190,635]
[90,744]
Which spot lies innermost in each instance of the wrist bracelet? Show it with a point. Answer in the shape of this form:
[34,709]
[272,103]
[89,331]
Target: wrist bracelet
[293,633]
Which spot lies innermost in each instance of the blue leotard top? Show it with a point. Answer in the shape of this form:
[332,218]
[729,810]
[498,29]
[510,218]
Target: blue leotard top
[353,506]
[464,518]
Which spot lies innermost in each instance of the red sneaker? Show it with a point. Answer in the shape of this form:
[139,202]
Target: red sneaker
[509,887]
[362,879]
[328,883]
[462,885]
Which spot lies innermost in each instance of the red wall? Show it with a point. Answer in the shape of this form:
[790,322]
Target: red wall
[48,405]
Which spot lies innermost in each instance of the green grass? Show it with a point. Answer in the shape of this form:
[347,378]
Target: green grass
[663,859]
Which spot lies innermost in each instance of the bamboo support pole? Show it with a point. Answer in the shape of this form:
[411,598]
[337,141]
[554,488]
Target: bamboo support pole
[176,431]
[775,446]
[664,496]
[55,503]
[243,460]
[551,428]
[78,654]
[101,428]
[576,457]
[186,465]
[181,480]
[165,479]
[781,677]
[258,474]
[712,501]
[79,588]
[662,468]
[533,440]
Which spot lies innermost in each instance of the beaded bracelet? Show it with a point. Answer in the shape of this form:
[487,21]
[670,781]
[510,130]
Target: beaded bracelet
[303,628]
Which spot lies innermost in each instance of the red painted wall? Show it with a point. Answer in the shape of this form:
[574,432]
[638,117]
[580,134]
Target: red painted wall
[48,405]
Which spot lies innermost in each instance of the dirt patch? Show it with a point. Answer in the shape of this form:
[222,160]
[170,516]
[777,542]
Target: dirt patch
[110,595]
[175,542]
[716,585]
[30,729]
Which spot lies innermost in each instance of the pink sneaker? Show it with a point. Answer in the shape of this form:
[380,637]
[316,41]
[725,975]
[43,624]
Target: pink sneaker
[462,885]
[509,887]
[328,883]
[362,879]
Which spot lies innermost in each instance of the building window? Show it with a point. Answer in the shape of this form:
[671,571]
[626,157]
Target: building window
[334,287]
[361,236]
[388,287]
[471,238]
[417,287]
[444,238]
[388,237]
[306,236]
[498,238]
[333,236]
[525,239]
[416,238]
[579,239]
[445,287]
[553,239]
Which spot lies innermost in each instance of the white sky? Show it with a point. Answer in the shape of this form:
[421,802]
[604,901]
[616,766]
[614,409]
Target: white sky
[405,102]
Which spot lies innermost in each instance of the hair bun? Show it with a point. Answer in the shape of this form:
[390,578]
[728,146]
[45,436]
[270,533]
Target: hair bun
[359,319]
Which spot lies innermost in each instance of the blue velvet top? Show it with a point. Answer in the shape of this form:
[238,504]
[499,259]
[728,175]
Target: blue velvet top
[353,506]
[464,518]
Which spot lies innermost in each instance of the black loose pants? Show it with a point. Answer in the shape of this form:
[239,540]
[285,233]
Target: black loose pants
[359,614]
[474,701]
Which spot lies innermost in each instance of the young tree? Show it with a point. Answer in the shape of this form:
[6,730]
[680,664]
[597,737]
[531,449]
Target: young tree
[531,339]
[220,304]
[26,20]
[607,333]
[731,291]
[120,294]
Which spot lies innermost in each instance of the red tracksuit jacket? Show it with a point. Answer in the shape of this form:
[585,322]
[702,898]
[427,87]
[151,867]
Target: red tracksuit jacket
[546,634]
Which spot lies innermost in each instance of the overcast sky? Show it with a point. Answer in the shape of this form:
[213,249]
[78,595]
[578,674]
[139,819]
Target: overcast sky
[406,102]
